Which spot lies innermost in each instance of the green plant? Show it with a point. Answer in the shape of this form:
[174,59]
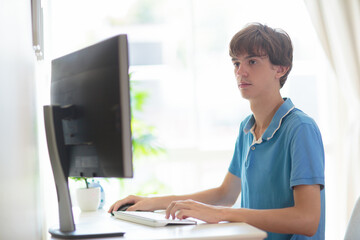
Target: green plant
[144,142]
[78,179]
[143,137]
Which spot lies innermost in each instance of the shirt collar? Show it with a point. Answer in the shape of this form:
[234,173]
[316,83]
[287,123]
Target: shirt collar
[275,123]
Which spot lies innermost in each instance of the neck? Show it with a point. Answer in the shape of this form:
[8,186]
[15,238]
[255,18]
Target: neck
[264,110]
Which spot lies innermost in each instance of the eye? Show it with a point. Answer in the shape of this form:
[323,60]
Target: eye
[236,64]
[252,62]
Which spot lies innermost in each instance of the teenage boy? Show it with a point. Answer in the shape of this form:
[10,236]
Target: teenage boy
[278,162]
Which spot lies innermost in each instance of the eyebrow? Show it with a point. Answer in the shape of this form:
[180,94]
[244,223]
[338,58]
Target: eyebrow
[247,57]
[251,56]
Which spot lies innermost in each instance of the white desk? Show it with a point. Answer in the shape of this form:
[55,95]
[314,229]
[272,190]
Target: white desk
[103,220]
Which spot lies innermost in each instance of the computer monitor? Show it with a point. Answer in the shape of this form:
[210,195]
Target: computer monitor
[88,124]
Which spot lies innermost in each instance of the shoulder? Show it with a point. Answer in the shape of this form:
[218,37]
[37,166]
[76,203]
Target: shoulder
[298,118]
[299,124]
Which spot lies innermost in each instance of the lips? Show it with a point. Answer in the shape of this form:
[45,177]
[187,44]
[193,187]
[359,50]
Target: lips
[244,85]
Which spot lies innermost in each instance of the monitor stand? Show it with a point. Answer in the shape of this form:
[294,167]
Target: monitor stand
[53,116]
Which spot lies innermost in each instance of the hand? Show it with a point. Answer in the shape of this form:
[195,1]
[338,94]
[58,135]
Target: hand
[190,208]
[140,203]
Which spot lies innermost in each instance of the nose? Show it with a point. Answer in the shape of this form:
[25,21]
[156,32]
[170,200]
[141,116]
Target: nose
[241,70]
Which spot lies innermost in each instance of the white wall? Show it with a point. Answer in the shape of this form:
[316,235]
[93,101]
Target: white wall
[19,192]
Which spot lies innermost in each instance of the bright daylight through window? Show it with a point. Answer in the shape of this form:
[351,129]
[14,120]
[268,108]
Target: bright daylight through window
[188,107]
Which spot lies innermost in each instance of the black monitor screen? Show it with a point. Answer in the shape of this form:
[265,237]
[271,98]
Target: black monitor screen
[93,83]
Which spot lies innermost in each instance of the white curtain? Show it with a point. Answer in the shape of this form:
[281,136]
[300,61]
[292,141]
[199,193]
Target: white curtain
[337,23]
[19,181]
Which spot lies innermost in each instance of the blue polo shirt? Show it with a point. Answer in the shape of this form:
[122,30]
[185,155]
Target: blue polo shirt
[289,153]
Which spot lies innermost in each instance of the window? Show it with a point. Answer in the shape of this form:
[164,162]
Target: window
[179,55]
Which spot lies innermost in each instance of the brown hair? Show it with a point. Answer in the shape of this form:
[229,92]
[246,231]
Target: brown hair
[261,40]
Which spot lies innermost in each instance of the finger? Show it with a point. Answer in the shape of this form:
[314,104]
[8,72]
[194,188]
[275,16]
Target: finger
[122,202]
[117,205]
[168,209]
[111,209]
[132,208]
[183,214]
[177,207]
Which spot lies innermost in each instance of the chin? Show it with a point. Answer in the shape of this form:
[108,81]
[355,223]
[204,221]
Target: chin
[245,96]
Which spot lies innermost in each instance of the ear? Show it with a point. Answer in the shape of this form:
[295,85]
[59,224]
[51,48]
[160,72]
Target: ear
[281,71]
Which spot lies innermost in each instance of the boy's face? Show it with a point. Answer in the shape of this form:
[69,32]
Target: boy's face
[256,77]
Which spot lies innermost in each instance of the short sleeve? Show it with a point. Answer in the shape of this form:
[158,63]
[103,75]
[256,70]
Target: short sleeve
[307,156]
[235,165]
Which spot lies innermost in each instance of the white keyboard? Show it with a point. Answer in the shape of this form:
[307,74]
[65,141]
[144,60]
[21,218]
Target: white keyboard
[150,218]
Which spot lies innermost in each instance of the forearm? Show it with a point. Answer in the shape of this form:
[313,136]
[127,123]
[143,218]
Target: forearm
[215,196]
[224,195]
[286,220]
